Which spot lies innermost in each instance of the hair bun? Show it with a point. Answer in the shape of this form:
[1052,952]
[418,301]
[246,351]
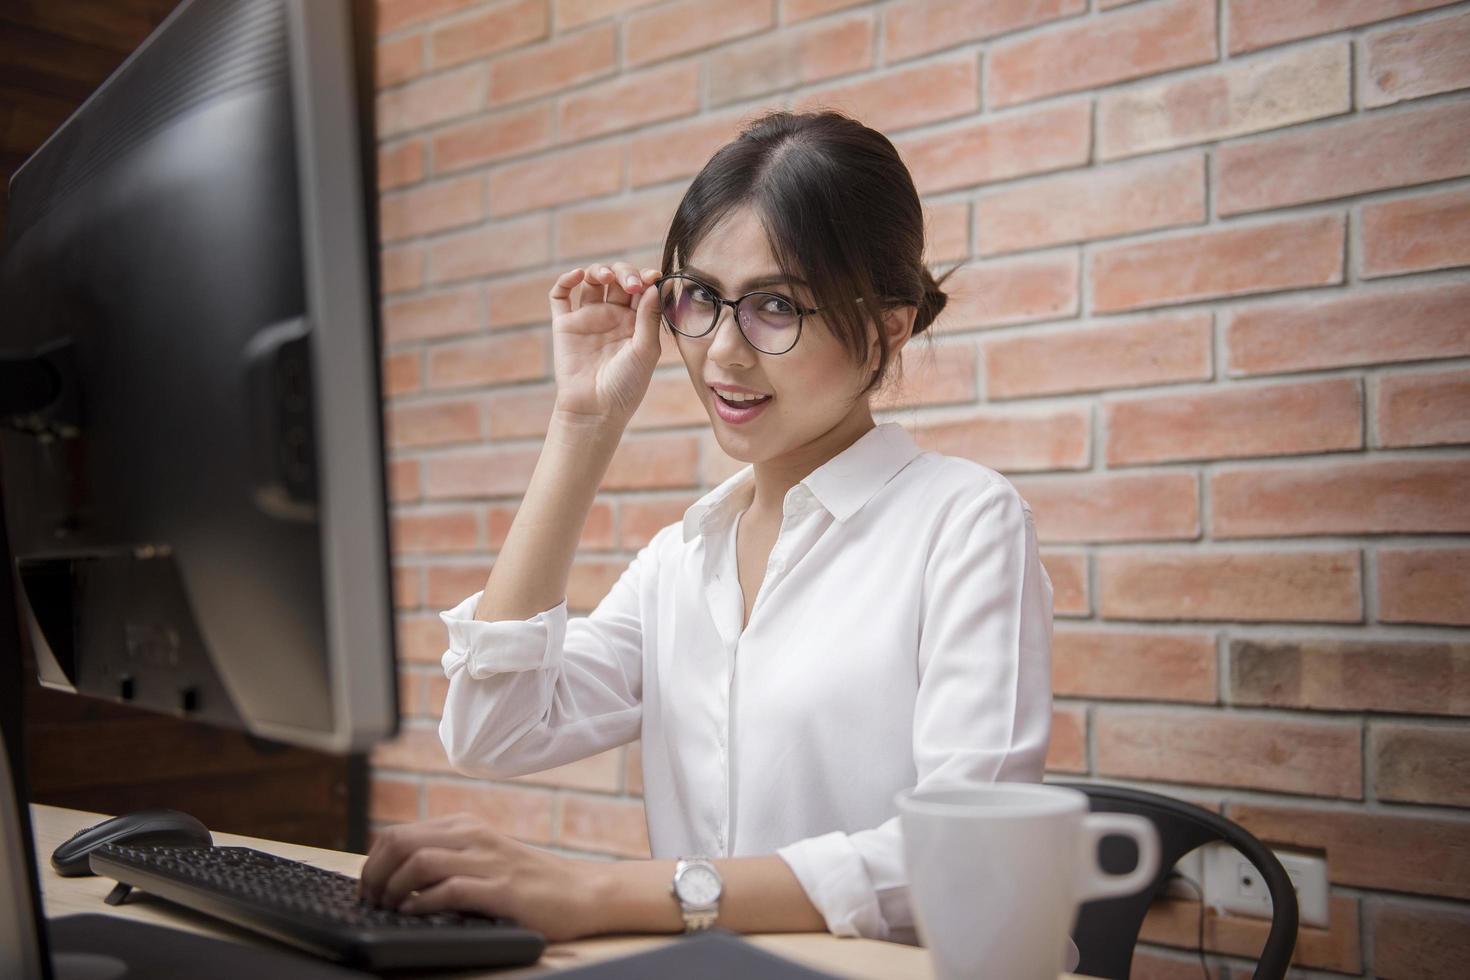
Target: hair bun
[932,304]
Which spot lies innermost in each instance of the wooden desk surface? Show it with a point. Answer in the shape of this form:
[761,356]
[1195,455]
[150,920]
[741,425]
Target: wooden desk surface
[859,958]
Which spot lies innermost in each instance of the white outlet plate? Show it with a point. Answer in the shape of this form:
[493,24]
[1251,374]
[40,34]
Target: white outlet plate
[1232,884]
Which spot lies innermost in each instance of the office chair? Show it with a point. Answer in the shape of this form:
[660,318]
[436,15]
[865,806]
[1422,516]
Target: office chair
[1107,930]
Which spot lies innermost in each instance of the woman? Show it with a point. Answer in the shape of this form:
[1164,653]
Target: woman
[846,617]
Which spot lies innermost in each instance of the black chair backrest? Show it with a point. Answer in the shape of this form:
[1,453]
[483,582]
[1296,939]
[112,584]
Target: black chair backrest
[1107,930]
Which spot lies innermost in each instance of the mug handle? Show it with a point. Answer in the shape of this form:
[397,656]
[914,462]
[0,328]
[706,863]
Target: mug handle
[1097,883]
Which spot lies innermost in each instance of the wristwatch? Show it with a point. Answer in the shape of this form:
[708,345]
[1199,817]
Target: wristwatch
[697,888]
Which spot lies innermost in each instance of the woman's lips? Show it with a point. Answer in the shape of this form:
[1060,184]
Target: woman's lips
[738,413]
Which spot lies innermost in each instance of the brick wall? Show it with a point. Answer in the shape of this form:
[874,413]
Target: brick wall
[1213,321]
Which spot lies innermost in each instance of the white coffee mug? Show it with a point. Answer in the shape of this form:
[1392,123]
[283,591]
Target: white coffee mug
[996,874]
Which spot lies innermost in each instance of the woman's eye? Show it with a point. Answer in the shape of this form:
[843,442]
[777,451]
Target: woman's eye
[778,305]
[701,295]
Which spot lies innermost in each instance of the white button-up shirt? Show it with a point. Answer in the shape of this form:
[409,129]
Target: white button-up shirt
[901,636]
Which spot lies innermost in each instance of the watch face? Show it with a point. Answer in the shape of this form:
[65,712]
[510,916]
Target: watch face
[699,885]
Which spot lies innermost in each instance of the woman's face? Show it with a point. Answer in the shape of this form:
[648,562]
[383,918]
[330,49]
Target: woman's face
[809,395]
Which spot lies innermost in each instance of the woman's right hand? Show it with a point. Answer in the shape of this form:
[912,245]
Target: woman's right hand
[604,340]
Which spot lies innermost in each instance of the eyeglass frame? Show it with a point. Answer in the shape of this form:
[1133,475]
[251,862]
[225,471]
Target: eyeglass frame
[801,312]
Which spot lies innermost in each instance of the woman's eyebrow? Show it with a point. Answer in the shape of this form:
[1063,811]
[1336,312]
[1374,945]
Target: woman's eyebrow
[771,279]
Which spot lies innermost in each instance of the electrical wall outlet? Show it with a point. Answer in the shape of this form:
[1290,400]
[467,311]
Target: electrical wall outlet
[1232,884]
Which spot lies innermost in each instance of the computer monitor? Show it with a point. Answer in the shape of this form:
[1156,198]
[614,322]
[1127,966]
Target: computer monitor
[191,455]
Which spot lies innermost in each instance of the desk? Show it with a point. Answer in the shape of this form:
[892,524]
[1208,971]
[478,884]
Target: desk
[859,958]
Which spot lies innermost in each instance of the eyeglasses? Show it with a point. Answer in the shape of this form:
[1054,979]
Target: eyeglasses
[770,322]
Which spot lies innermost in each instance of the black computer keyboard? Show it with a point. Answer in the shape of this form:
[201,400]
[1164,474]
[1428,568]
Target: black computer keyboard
[314,909]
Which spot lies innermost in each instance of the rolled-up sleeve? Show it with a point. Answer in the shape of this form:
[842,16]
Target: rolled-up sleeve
[982,712]
[528,695]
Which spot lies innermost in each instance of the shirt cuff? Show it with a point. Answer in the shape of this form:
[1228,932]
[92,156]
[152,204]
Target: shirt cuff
[835,878]
[501,647]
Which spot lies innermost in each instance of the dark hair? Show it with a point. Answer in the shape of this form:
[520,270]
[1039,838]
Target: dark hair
[840,211]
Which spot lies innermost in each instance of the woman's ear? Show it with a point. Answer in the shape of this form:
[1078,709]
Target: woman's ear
[898,324]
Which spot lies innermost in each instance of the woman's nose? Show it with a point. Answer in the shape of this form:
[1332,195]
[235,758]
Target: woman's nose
[727,346]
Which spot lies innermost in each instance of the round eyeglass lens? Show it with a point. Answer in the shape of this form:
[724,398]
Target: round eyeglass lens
[688,307]
[769,322]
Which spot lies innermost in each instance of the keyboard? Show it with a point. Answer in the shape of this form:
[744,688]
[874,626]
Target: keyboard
[312,908]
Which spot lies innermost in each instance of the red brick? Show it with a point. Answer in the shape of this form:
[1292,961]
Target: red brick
[1096,203]
[435,207]
[521,299]
[393,800]
[420,639]
[436,690]
[1109,354]
[688,25]
[1154,964]
[1232,261]
[928,374]
[1258,94]
[916,27]
[798,10]
[1106,507]
[1051,137]
[604,825]
[946,231]
[1360,154]
[1314,758]
[488,473]
[1412,62]
[556,178]
[433,423]
[669,403]
[1351,675]
[633,769]
[605,228]
[1099,51]
[449,585]
[1378,496]
[575,13]
[520,412]
[786,58]
[1012,441]
[1236,421]
[393,15]
[443,314]
[682,149]
[641,518]
[1260,23]
[1367,327]
[1415,234]
[998,292]
[904,97]
[400,164]
[525,814]
[1419,942]
[556,65]
[1068,574]
[407,587]
[401,373]
[1250,586]
[399,60]
[490,138]
[436,532]
[590,580]
[1094,663]
[1388,850]
[414,750]
[497,28]
[629,101]
[401,269]
[490,360]
[404,480]
[1424,585]
[1068,749]
[654,462]
[1421,764]
[500,247]
[1177,923]
[1418,409]
[436,99]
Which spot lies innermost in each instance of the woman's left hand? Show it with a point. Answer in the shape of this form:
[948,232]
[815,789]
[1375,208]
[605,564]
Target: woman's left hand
[459,864]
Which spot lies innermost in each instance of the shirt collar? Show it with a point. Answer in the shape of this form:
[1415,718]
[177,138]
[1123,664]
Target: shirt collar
[841,486]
